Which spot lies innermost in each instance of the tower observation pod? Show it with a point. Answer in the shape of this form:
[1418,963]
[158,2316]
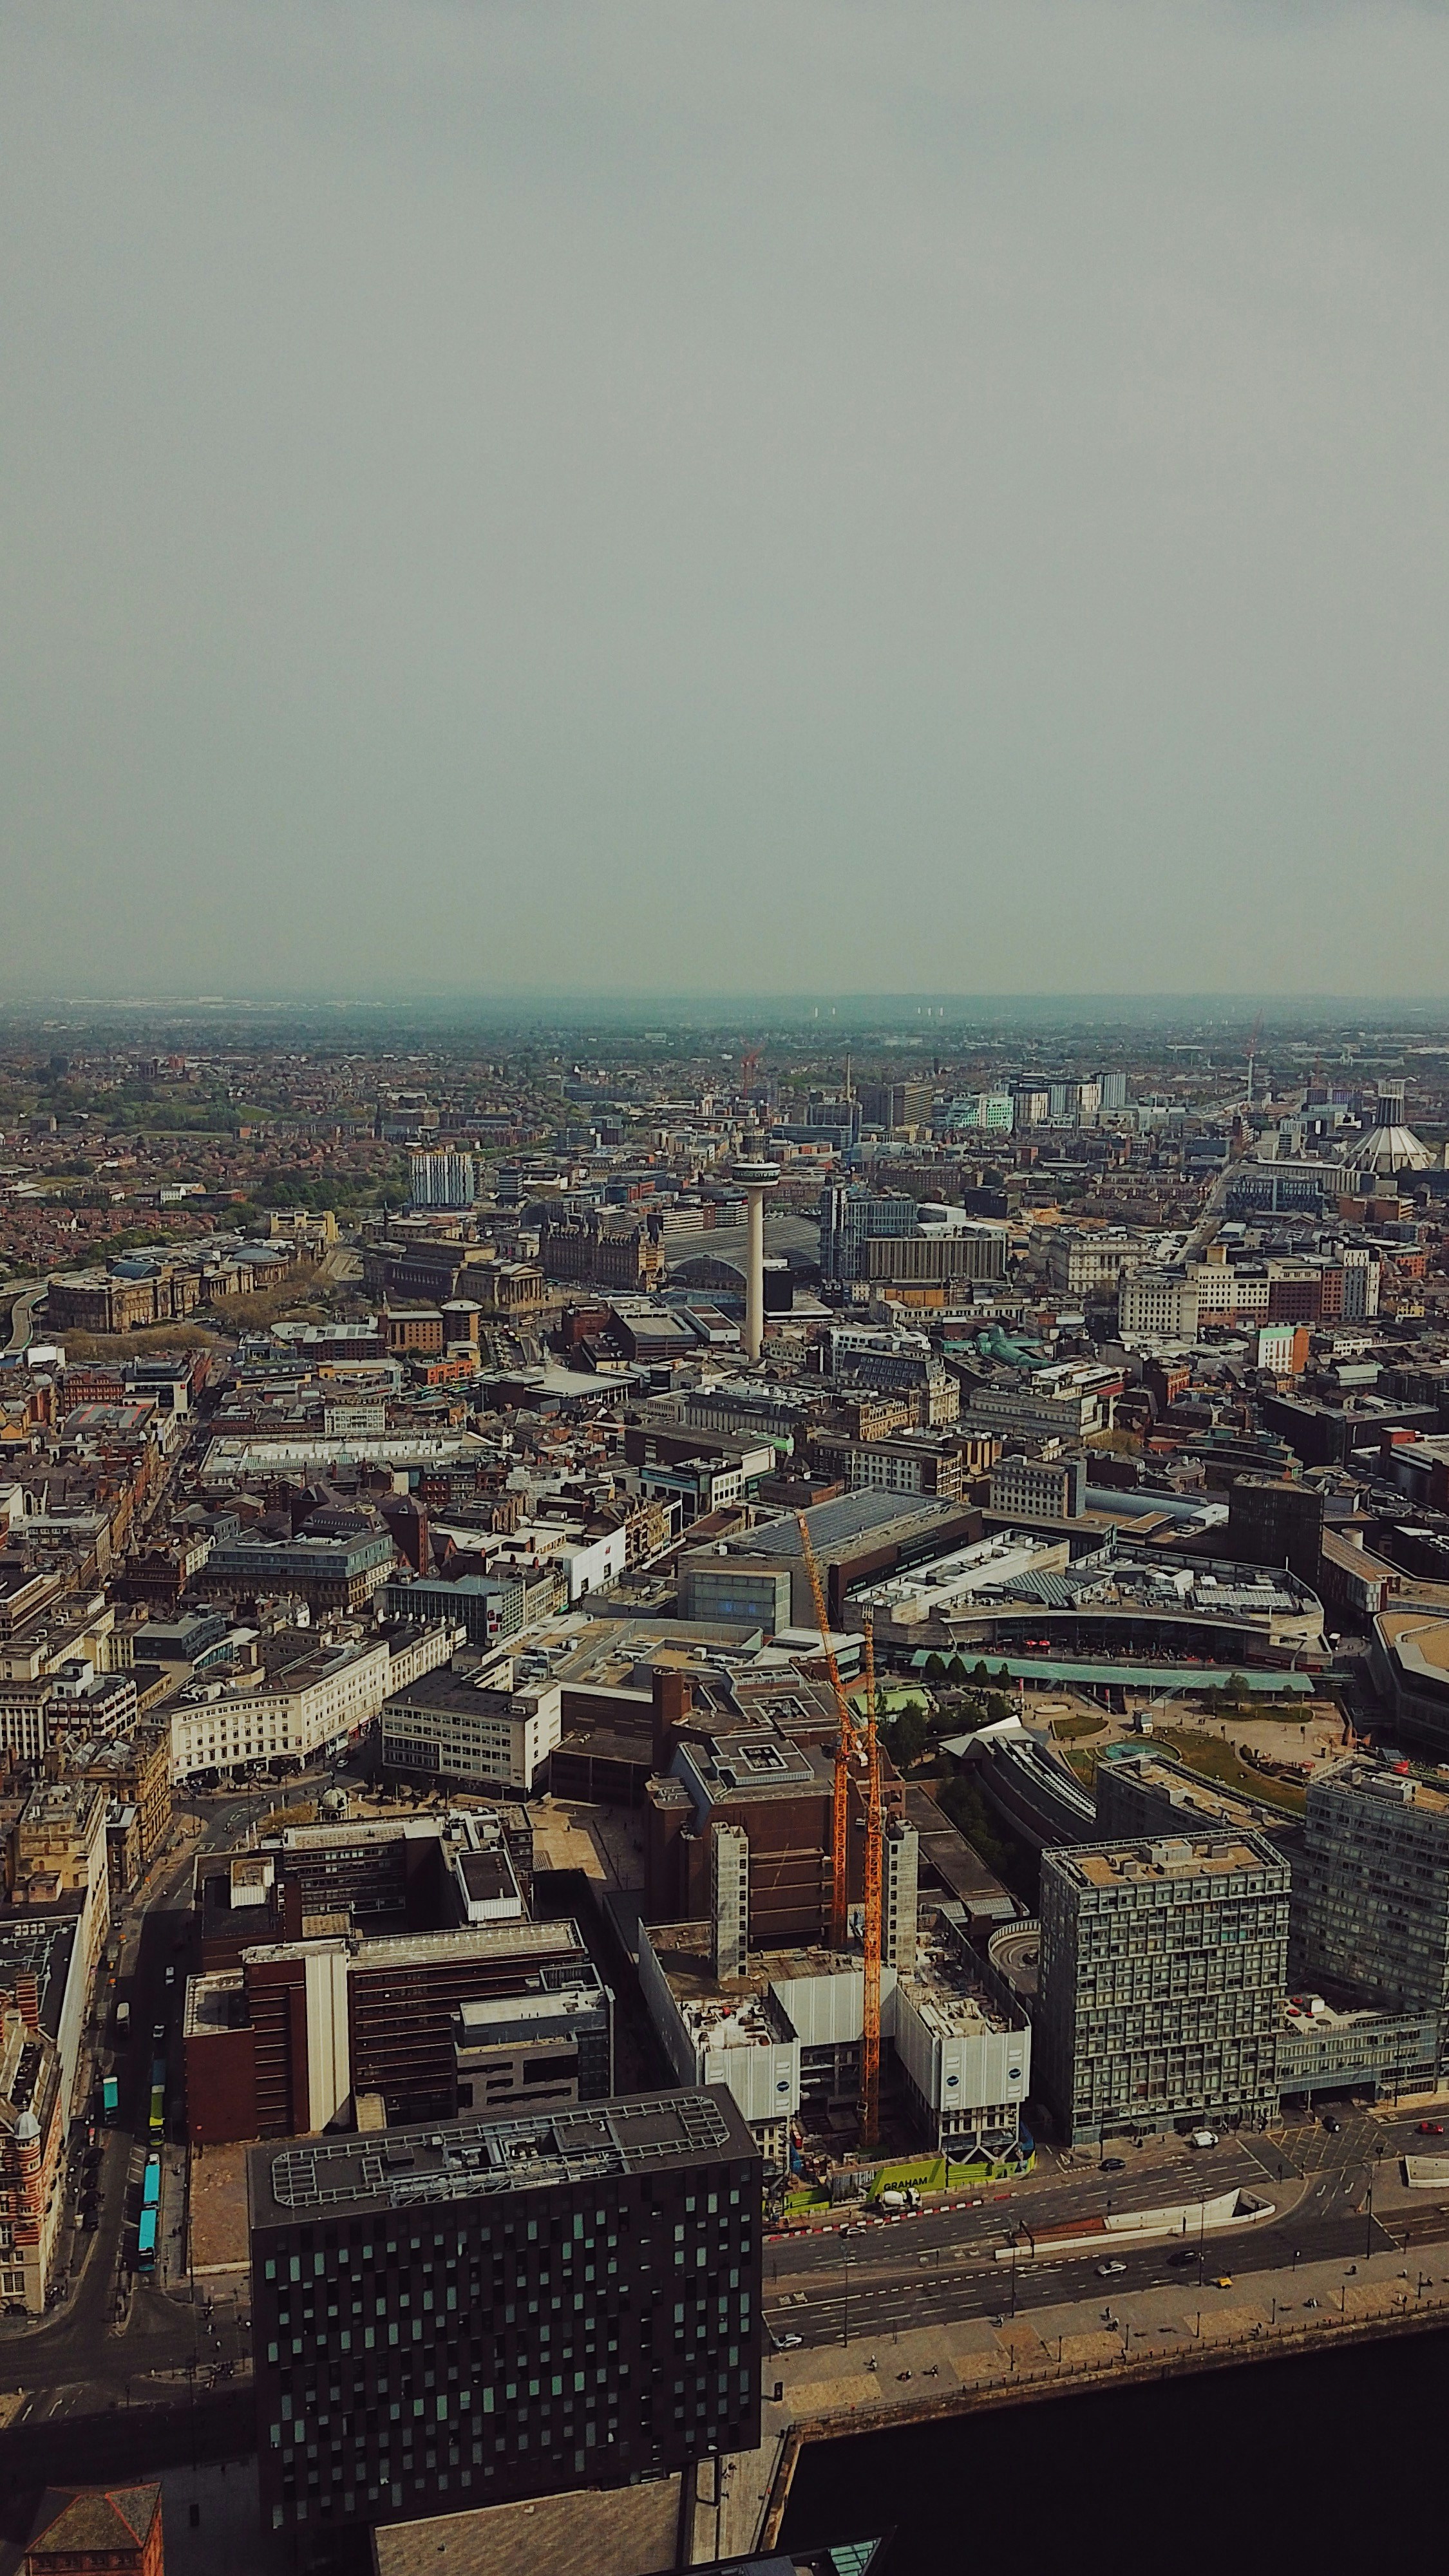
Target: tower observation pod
[756,1179]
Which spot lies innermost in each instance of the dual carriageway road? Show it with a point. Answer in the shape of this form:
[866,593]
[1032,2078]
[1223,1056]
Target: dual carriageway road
[874,2278]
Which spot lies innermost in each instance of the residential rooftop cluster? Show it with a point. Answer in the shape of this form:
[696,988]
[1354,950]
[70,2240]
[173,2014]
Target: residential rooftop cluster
[446,1447]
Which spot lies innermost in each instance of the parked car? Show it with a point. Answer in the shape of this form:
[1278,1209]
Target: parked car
[1331,2124]
[1203,2138]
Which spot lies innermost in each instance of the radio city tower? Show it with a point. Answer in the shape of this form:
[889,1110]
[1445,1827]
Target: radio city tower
[756,1179]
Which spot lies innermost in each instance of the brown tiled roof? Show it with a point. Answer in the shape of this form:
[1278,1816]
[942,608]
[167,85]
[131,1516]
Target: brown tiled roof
[620,2531]
[95,2518]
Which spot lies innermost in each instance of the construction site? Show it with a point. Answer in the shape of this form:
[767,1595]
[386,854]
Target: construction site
[854,2023]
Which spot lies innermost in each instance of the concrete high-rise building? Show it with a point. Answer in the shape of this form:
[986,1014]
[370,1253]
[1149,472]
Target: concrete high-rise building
[456,2315]
[1372,1889]
[442,1180]
[1164,1965]
[729,1859]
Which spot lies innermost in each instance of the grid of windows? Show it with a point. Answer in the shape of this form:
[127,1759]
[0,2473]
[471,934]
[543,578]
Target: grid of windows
[424,2356]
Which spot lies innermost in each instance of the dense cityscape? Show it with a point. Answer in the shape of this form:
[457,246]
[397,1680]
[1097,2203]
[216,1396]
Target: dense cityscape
[706,1731]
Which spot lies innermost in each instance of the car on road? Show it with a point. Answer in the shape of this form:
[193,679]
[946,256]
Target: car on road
[788,2342]
[1203,2138]
[158,2030]
[1106,2270]
[1431,2128]
[1182,2256]
[1114,2164]
[170,1974]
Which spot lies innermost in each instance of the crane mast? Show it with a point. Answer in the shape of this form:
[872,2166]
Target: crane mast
[870,2024]
[844,1748]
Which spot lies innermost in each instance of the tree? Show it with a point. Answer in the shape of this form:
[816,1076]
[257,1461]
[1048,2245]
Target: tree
[908,1736]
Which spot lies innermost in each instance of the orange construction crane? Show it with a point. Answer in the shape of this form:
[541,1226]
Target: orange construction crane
[870,2024]
[844,1748]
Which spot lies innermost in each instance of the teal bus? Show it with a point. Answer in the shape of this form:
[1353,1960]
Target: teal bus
[146,2242]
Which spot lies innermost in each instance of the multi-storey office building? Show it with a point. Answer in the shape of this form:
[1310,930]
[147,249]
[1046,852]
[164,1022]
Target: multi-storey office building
[1163,1969]
[1040,1489]
[472,1728]
[850,1218]
[329,1573]
[281,2044]
[310,1705]
[451,2317]
[1372,1908]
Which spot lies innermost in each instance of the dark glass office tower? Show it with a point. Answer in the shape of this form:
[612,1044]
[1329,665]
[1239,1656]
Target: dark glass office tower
[454,2315]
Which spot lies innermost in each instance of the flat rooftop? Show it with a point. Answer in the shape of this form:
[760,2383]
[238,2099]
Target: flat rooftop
[741,2012]
[1398,1788]
[40,1947]
[1194,1797]
[949,1992]
[1420,1641]
[471,1941]
[1153,1677]
[1165,1857]
[393,2169]
[837,1525]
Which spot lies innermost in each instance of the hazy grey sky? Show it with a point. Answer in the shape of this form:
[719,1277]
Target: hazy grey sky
[761,494]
